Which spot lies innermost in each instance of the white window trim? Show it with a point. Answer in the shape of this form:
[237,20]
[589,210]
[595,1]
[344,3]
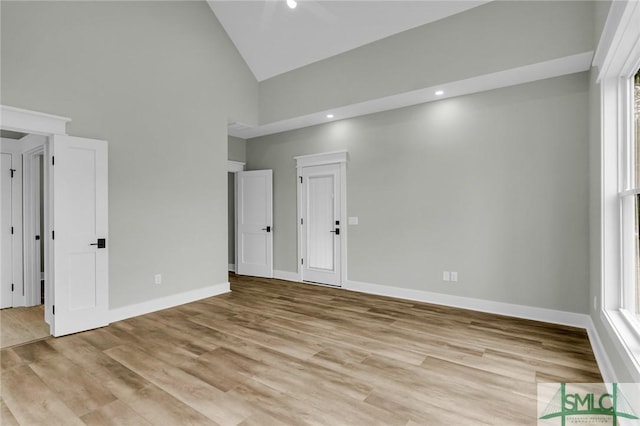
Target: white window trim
[618,57]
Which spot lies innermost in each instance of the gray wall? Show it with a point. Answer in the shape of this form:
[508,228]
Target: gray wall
[237,149]
[158,80]
[493,37]
[492,185]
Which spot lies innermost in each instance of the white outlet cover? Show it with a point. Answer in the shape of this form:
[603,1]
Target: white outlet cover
[454,276]
[446,276]
[353,220]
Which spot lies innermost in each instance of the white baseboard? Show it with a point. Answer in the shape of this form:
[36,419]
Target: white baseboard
[481,305]
[232,267]
[500,308]
[604,363]
[286,275]
[166,302]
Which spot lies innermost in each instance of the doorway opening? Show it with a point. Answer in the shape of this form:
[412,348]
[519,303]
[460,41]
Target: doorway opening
[24,288]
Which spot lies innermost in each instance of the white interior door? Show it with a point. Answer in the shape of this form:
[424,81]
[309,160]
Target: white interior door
[321,224]
[6,298]
[254,233]
[79,234]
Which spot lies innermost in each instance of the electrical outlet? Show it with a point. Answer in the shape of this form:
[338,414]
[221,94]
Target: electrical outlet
[446,276]
[158,279]
[454,277]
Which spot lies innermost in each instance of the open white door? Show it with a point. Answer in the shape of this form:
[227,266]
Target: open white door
[79,201]
[254,236]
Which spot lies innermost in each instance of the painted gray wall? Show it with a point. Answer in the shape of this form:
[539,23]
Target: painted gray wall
[237,149]
[492,185]
[158,80]
[493,37]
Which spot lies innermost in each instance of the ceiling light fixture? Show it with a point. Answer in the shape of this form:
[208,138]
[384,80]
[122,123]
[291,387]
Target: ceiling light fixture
[440,93]
[329,115]
[292,4]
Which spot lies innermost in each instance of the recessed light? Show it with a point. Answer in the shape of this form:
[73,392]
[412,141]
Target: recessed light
[329,115]
[439,92]
[292,4]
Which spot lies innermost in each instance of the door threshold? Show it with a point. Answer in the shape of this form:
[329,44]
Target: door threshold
[322,284]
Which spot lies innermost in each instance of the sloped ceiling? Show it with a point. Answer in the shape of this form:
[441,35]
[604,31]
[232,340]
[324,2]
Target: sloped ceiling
[273,39]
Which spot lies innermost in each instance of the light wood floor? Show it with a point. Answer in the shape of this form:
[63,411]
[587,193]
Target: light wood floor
[273,352]
[21,325]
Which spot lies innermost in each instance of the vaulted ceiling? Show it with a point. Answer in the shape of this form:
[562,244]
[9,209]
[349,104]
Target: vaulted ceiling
[273,38]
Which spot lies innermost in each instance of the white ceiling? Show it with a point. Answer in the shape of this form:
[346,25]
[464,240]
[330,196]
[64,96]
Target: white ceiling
[273,39]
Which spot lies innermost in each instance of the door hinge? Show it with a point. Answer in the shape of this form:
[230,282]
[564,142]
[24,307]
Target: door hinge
[53,235]
[12,172]
[53,160]
[54,309]
[301,221]
[12,230]
[300,179]
[12,287]
[302,261]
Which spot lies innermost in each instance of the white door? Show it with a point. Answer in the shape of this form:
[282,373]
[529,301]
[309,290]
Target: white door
[254,233]
[79,234]
[6,249]
[321,224]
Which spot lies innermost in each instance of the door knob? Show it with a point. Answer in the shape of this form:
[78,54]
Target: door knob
[101,243]
[337,231]
[268,229]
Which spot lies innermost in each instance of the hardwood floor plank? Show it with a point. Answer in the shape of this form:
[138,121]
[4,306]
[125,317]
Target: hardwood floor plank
[193,392]
[115,413]
[22,325]
[75,387]
[6,418]
[22,390]
[274,352]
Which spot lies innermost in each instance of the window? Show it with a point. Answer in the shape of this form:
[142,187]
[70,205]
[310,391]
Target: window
[618,62]
[630,203]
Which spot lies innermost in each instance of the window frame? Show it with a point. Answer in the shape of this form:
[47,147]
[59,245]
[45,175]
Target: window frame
[618,59]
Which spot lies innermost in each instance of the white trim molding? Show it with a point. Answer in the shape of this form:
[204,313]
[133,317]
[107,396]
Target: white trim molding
[321,159]
[618,59]
[232,267]
[235,166]
[25,121]
[481,305]
[130,311]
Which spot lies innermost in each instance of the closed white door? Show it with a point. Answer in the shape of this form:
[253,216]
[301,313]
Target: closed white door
[254,233]
[321,224]
[6,299]
[79,234]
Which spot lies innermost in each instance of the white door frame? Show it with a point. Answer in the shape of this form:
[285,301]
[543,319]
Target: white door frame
[233,167]
[38,123]
[335,157]
[31,199]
